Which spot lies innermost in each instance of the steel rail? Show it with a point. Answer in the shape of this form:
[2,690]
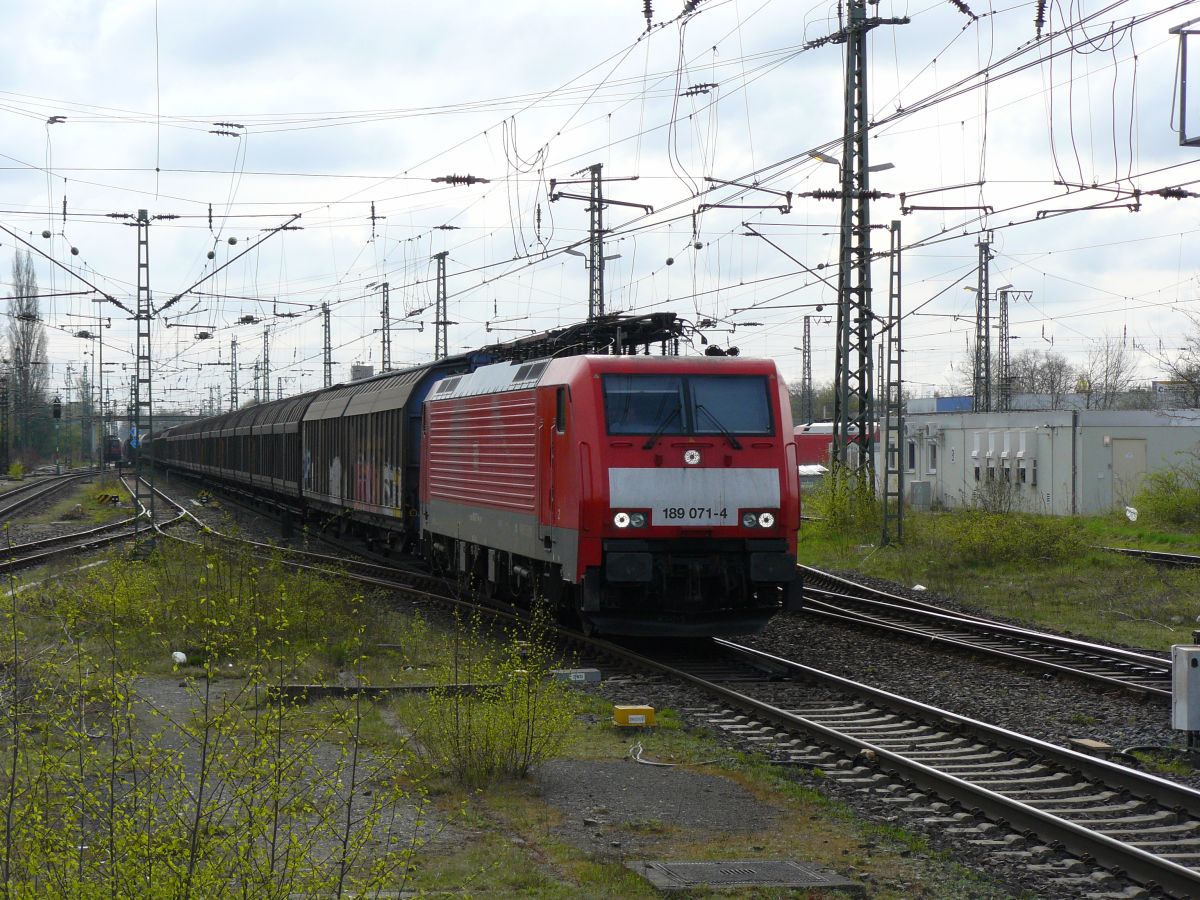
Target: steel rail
[1162,557]
[1155,682]
[48,548]
[1144,866]
[1087,648]
[27,494]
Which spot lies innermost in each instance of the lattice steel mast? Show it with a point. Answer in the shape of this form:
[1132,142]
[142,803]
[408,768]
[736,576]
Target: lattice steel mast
[1004,395]
[385,312]
[853,403]
[441,323]
[328,346]
[233,375]
[893,405]
[596,205]
[806,388]
[981,382]
[143,395]
[266,365]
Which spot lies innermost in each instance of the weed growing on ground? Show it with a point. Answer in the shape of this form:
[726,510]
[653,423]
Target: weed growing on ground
[513,716]
[844,507]
[971,538]
[113,784]
[1037,569]
[1171,496]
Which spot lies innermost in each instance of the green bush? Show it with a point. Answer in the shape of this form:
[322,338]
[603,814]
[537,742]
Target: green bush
[843,504]
[975,537]
[16,471]
[118,784]
[515,717]
[1172,496]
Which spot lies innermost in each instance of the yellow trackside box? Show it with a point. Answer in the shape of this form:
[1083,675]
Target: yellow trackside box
[634,716]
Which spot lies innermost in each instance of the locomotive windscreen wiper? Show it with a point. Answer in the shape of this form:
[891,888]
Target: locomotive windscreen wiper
[733,442]
[658,432]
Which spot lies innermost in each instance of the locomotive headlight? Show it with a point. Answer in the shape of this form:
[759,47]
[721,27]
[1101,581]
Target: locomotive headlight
[621,520]
[749,520]
[637,519]
[765,520]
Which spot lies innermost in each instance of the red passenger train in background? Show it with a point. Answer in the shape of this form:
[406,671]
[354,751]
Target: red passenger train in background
[814,443]
[640,495]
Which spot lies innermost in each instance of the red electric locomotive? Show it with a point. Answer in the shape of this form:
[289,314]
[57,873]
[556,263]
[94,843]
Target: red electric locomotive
[644,495]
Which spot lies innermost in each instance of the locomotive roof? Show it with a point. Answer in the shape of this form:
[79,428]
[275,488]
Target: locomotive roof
[513,376]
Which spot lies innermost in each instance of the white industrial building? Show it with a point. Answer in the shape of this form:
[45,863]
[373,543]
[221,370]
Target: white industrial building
[1062,462]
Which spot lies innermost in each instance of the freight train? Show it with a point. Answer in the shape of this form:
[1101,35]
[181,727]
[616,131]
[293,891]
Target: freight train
[640,495]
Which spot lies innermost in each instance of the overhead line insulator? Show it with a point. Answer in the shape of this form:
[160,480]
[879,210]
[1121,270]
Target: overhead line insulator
[460,179]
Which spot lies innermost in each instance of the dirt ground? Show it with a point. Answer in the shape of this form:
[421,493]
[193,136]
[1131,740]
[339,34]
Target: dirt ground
[597,797]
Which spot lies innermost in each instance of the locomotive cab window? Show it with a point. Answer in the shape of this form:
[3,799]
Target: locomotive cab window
[642,404]
[738,404]
[687,404]
[560,410]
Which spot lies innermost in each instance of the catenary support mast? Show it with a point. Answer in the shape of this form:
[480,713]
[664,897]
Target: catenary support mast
[853,402]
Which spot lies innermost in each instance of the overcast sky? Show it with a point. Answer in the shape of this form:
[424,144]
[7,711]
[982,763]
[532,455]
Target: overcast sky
[333,107]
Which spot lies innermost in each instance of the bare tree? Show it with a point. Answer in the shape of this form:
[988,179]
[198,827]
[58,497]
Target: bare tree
[822,404]
[1042,372]
[963,379]
[1107,373]
[26,352]
[1055,378]
[1182,364]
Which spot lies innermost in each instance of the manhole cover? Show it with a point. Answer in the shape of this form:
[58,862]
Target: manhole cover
[737,873]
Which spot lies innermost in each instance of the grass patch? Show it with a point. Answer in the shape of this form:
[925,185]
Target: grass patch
[518,716]
[1171,496]
[128,773]
[1161,764]
[1115,530]
[83,506]
[1040,570]
[182,774]
[526,846]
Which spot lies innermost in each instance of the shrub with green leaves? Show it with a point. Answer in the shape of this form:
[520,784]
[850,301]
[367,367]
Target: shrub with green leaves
[114,782]
[974,537]
[513,716]
[1172,496]
[843,504]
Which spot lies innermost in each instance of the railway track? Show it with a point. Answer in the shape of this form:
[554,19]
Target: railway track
[837,598]
[34,553]
[1017,795]
[12,502]
[1158,557]
[1062,814]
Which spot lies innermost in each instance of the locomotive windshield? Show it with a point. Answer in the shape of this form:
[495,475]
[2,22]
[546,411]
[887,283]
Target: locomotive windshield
[687,404]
